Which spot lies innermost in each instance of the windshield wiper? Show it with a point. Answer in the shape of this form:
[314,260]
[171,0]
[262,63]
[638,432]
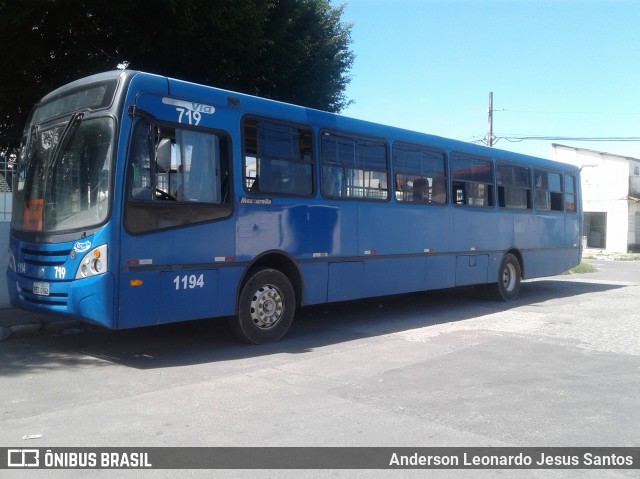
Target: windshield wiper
[64,137]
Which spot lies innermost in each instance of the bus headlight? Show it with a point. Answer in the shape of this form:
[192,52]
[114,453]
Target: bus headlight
[93,263]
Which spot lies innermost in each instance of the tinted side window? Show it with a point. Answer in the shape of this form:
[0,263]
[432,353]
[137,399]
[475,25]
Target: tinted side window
[472,181]
[514,186]
[419,175]
[354,167]
[570,193]
[548,190]
[277,158]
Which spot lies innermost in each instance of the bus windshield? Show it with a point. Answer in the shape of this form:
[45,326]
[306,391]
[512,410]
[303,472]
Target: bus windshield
[64,175]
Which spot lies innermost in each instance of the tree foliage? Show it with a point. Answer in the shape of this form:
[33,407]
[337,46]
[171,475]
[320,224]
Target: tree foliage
[289,50]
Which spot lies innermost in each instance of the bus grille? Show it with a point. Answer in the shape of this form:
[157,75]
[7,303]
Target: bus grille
[54,299]
[45,258]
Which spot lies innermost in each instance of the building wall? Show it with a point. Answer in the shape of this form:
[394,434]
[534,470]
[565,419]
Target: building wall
[634,206]
[606,181]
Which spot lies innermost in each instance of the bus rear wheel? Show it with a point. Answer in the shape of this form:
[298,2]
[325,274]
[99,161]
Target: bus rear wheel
[266,307]
[509,275]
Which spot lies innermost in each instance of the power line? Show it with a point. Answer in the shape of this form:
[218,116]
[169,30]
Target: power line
[519,138]
[543,112]
[492,138]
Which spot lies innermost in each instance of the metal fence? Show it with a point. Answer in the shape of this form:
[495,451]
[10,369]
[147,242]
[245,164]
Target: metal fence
[6,195]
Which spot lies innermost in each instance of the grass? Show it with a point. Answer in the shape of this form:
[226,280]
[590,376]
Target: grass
[582,268]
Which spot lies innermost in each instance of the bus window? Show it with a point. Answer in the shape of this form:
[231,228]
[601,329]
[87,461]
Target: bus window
[514,186]
[472,181]
[570,193]
[277,159]
[178,168]
[354,167]
[419,175]
[548,190]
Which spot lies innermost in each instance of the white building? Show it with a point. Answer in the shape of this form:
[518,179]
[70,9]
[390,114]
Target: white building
[610,197]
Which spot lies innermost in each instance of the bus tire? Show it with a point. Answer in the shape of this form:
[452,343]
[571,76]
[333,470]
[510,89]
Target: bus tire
[266,307]
[509,275]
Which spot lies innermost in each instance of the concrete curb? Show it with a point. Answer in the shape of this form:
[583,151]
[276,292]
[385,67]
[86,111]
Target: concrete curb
[15,323]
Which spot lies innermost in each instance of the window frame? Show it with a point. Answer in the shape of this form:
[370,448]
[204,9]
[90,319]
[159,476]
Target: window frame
[551,193]
[528,188]
[356,137]
[574,177]
[141,215]
[491,194]
[294,125]
[398,145]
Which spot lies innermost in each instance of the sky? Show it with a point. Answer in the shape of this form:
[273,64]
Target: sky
[564,68]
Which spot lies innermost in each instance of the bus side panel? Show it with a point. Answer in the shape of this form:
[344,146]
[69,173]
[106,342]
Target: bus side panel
[479,236]
[228,290]
[524,231]
[550,262]
[170,275]
[188,294]
[324,229]
[545,254]
[573,230]
[403,229]
[139,299]
[440,272]
[300,230]
[552,227]
[472,269]
[394,276]
[477,229]
[416,230]
[315,279]
[346,280]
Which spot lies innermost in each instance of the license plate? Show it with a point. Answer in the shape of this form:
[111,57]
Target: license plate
[41,289]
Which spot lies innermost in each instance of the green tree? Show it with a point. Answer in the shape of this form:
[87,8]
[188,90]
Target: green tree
[289,50]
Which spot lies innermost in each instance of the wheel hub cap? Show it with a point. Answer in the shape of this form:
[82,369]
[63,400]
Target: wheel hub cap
[267,307]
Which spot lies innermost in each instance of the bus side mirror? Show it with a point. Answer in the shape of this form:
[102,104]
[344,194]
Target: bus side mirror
[163,155]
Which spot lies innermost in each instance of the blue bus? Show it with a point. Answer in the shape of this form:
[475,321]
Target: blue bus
[142,200]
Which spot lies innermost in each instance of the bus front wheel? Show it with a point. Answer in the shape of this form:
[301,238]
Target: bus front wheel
[266,307]
[509,274]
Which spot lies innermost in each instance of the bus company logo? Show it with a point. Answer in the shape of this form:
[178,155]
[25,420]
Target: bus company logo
[255,201]
[190,105]
[82,247]
[23,458]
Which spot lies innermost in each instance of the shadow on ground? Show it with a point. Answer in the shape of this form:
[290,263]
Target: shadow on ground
[199,342]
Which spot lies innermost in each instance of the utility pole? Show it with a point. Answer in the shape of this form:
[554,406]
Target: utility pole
[490,128]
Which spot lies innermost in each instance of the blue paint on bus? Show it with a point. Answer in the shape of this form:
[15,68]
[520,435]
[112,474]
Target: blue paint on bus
[143,200]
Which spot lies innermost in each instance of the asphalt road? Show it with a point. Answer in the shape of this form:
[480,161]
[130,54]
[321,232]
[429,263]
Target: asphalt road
[560,366]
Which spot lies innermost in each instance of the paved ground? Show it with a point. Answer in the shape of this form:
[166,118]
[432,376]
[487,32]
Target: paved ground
[17,323]
[558,367]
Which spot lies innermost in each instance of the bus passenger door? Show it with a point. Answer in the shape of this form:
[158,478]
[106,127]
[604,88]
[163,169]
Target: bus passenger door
[178,238]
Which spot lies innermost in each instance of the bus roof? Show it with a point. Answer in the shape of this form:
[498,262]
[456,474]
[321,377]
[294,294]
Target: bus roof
[253,105]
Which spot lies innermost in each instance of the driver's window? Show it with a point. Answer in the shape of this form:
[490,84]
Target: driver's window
[177,165]
[171,169]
